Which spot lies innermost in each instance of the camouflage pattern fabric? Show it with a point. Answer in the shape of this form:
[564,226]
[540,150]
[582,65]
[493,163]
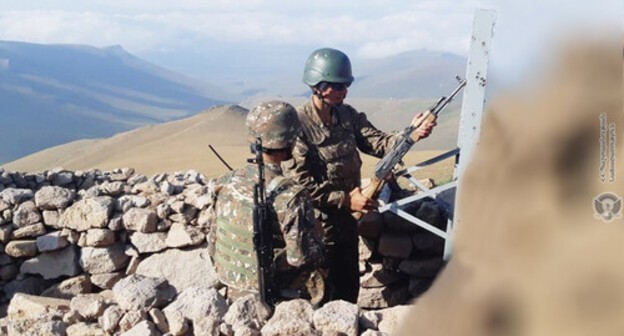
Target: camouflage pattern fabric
[298,247]
[275,122]
[326,159]
[327,162]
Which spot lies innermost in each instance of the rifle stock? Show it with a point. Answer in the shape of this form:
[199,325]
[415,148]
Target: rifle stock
[371,191]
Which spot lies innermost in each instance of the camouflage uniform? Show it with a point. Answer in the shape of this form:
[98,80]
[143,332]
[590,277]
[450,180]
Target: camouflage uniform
[326,161]
[298,248]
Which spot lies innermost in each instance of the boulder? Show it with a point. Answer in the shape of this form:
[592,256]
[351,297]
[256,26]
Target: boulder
[53,197]
[181,235]
[9,272]
[111,188]
[391,318]
[337,318]
[5,233]
[69,288]
[15,196]
[369,319]
[394,244]
[87,213]
[418,286]
[89,306]
[178,324]
[196,303]
[160,320]
[139,292]
[142,220]
[130,319]
[209,327]
[25,284]
[144,328]
[371,225]
[292,317]
[51,218]
[96,260]
[21,248]
[26,214]
[53,264]
[427,244]
[99,237]
[45,325]
[30,231]
[175,266]
[126,202]
[106,280]
[422,267]
[380,277]
[61,178]
[24,306]
[85,329]
[383,297]
[4,205]
[247,311]
[111,317]
[148,242]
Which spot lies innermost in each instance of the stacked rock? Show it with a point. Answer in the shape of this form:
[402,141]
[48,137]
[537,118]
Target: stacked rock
[61,224]
[398,259]
[111,253]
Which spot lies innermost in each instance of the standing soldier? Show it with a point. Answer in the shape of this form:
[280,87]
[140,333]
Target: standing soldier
[297,240]
[326,160]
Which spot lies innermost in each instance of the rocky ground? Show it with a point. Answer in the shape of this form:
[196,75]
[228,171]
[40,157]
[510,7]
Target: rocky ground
[118,253]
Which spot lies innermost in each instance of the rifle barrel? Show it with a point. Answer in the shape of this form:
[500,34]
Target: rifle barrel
[220,158]
[445,101]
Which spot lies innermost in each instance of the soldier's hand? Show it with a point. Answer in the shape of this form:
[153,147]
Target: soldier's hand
[359,202]
[426,126]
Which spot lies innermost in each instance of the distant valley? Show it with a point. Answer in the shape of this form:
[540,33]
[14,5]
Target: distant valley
[57,94]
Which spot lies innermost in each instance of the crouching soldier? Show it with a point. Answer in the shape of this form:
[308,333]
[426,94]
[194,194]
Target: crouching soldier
[297,238]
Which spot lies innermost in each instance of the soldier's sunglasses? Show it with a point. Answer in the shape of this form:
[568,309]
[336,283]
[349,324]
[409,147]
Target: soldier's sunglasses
[277,150]
[335,86]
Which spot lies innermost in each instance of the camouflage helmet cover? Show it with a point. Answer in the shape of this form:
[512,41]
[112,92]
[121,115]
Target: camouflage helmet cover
[275,122]
[327,65]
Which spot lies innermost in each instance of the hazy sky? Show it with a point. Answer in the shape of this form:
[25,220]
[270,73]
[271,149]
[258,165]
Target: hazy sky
[191,35]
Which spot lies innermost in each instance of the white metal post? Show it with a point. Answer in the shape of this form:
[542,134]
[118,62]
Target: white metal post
[472,103]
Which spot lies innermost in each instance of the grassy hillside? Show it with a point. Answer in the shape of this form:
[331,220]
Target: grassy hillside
[183,144]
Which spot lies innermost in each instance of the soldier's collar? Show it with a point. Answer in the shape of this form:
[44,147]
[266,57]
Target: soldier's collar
[276,168]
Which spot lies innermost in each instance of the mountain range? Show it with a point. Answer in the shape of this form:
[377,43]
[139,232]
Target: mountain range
[55,94]
[52,94]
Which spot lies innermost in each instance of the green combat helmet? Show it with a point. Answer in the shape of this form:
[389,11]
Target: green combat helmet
[275,122]
[327,65]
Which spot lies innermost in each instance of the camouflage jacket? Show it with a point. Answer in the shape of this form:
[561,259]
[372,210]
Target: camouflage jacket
[326,158]
[297,245]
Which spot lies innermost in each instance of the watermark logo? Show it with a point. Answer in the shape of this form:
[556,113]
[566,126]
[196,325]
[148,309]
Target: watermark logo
[607,207]
[607,140]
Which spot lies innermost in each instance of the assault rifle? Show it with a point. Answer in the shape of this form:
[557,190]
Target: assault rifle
[262,235]
[386,164]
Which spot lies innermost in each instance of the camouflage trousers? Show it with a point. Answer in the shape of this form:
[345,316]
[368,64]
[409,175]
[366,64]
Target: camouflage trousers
[304,284]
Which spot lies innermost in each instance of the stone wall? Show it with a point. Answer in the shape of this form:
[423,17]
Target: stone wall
[92,252]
